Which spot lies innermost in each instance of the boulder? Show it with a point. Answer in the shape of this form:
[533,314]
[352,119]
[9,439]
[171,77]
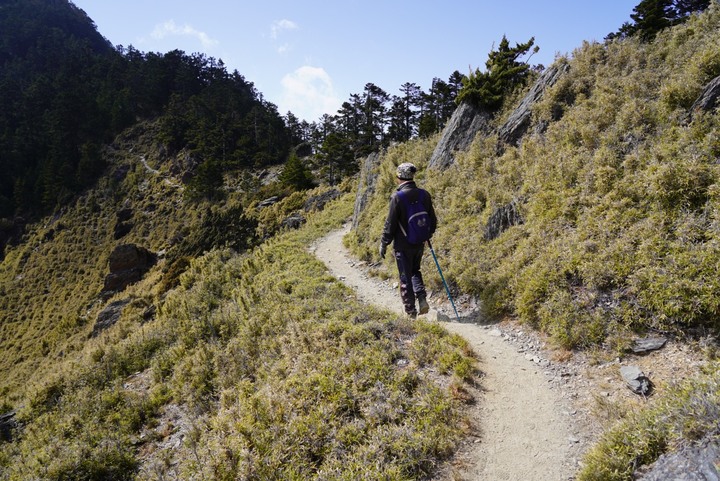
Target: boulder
[366,185]
[458,134]
[519,120]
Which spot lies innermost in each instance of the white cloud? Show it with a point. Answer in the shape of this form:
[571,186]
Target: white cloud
[281,25]
[284,48]
[170,28]
[308,93]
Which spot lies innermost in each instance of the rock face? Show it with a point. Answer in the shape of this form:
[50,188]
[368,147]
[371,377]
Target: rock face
[366,185]
[128,263]
[708,100]
[519,121]
[467,121]
[458,134]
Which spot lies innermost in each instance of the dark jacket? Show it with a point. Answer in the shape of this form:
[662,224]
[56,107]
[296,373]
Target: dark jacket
[396,214]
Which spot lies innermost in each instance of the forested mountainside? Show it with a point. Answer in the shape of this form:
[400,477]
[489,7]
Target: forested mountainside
[66,92]
[162,286]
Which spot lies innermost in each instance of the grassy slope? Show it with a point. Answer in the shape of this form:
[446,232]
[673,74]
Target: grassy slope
[621,208]
[620,203]
[619,197]
[282,372]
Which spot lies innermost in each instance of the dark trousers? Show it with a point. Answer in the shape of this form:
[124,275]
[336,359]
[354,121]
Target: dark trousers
[411,281]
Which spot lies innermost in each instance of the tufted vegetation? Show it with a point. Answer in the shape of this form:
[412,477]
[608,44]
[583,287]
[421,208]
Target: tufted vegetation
[280,371]
[619,208]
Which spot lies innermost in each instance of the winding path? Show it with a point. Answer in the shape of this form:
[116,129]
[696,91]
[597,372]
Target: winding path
[525,429]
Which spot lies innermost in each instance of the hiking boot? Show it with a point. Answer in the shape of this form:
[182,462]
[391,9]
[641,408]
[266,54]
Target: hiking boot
[424,307]
[411,315]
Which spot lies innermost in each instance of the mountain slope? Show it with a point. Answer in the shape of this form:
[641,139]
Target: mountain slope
[608,215]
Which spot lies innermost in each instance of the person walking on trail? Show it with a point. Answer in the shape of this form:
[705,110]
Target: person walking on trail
[410,223]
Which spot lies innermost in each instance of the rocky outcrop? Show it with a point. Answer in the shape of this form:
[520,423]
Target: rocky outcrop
[123,226]
[294,221]
[109,316]
[318,202]
[519,121]
[458,134]
[502,219]
[128,263]
[366,185]
[696,463]
[708,100]
[7,426]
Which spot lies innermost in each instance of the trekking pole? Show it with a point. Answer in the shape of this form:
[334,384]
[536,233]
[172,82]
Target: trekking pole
[447,289]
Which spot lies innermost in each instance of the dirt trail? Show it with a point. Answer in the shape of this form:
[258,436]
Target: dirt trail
[526,427]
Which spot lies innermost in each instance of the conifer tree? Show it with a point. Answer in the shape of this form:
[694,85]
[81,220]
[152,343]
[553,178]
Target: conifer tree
[295,175]
[503,74]
[651,16]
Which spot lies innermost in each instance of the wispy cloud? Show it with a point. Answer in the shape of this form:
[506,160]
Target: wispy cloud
[170,28]
[308,92]
[280,26]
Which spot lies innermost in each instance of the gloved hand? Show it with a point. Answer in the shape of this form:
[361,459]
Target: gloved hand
[383,248]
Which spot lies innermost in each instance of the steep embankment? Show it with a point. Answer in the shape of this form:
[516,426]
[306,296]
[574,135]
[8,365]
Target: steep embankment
[525,427]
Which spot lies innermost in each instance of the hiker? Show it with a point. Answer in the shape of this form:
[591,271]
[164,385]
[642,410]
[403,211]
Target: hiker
[410,223]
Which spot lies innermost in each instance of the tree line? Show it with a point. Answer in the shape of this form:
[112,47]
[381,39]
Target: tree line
[650,17]
[65,92]
[371,120]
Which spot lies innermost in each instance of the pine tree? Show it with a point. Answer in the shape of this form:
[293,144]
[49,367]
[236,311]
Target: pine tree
[652,16]
[503,74]
[295,175]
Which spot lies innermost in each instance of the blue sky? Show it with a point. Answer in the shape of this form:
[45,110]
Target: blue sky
[309,56]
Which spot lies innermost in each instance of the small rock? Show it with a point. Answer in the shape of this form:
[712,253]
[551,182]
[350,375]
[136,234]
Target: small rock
[648,344]
[636,380]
